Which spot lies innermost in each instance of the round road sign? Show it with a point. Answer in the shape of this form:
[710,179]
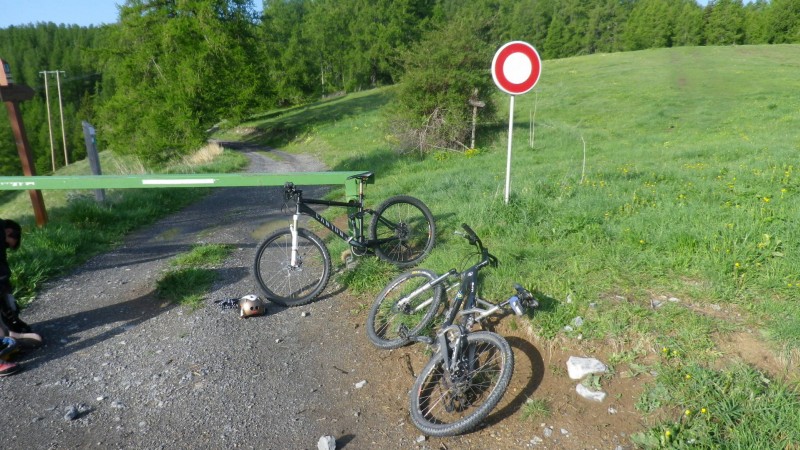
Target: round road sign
[516,67]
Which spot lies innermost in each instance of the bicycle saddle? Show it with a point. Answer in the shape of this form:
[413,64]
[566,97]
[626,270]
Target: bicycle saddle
[362,176]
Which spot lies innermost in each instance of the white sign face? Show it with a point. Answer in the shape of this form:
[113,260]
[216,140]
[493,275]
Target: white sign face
[517,68]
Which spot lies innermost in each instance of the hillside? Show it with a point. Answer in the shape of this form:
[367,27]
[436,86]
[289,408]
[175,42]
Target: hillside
[646,177]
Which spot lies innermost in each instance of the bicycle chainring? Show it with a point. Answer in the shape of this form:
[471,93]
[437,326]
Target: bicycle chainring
[356,251]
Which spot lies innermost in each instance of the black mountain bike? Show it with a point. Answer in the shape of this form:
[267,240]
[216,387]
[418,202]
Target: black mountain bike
[292,266]
[469,371]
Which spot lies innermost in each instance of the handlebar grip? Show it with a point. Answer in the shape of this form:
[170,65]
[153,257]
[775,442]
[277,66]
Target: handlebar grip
[493,260]
[526,296]
[471,236]
[289,190]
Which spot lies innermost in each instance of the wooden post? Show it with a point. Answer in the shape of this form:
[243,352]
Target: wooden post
[11,94]
[475,105]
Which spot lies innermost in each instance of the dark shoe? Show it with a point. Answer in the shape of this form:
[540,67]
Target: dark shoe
[15,324]
[18,326]
[9,368]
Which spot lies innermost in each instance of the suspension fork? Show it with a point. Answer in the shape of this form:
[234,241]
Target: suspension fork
[293,230]
[451,349]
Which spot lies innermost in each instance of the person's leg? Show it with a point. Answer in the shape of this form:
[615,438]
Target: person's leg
[12,326]
[11,303]
[9,312]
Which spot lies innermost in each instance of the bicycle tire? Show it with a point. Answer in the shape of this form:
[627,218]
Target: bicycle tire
[386,317]
[488,380]
[286,285]
[409,221]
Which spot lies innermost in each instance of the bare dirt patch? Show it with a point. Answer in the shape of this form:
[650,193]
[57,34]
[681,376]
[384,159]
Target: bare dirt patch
[539,373]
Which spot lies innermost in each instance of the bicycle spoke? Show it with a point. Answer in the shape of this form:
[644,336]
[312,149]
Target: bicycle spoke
[449,397]
[292,284]
[399,314]
[404,228]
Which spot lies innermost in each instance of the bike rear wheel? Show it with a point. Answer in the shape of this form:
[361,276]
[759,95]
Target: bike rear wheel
[445,404]
[394,319]
[406,226]
[289,285]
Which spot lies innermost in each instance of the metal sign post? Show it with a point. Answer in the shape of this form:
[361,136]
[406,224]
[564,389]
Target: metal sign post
[515,68]
[11,94]
[89,137]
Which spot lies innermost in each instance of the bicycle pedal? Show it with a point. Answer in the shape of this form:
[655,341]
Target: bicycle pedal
[349,260]
[402,332]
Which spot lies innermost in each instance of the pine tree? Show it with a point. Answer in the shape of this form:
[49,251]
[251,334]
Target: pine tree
[725,22]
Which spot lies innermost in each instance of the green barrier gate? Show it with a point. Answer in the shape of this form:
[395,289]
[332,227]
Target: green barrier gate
[182,180]
[38,183]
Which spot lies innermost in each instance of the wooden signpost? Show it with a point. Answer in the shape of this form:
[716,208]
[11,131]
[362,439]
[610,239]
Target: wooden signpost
[11,94]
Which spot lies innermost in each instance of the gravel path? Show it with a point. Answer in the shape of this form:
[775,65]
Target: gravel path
[122,369]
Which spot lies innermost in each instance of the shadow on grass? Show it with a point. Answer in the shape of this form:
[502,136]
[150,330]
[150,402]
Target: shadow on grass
[282,127]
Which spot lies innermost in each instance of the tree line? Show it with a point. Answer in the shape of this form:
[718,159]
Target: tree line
[154,82]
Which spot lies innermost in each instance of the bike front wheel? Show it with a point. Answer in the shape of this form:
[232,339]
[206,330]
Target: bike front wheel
[395,316]
[447,403]
[404,228]
[287,284]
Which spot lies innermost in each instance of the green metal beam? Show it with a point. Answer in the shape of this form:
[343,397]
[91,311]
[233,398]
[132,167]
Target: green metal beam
[180,180]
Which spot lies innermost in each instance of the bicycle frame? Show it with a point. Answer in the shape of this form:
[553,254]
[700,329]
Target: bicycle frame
[357,239]
[475,308]
[357,236]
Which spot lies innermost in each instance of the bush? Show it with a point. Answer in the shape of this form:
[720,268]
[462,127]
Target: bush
[442,73]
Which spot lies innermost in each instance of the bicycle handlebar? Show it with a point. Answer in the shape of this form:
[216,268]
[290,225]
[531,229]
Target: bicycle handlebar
[472,237]
[523,298]
[289,191]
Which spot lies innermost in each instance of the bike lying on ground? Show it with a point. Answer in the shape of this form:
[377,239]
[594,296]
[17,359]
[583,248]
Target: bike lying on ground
[292,266]
[469,371]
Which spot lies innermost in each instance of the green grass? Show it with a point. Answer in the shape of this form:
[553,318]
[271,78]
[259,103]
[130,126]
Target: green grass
[186,286]
[193,275]
[203,255]
[736,407]
[678,228]
[535,409]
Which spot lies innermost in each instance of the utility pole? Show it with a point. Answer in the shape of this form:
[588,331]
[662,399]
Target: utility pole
[49,123]
[61,115]
[61,112]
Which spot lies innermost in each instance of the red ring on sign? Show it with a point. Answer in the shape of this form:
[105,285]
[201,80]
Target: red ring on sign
[500,59]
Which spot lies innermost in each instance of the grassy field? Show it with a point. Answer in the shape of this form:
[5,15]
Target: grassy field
[654,194]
